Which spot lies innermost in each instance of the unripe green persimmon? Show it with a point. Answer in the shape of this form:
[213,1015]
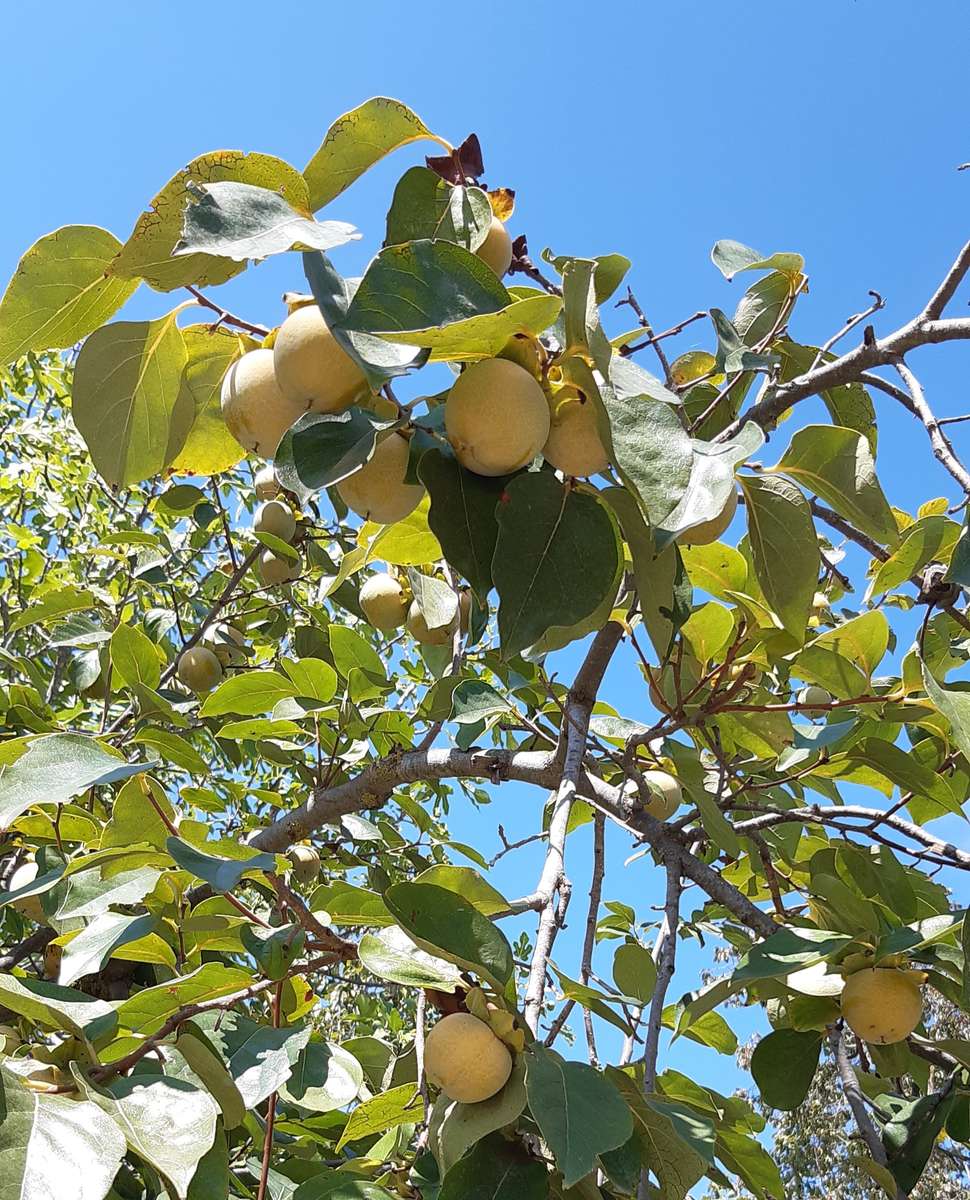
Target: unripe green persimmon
[574,445]
[276,518]
[496,417]
[814,695]
[223,640]
[417,627]
[383,601]
[305,862]
[312,369]
[199,669]
[274,569]
[496,250]
[256,412]
[710,531]
[265,483]
[377,491]
[667,794]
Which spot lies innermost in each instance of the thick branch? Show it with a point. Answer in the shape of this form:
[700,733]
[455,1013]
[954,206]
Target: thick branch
[853,1094]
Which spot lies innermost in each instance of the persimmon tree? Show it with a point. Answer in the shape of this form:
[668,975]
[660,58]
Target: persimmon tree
[279,595]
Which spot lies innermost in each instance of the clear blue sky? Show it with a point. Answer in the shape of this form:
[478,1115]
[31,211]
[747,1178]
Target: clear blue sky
[833,128]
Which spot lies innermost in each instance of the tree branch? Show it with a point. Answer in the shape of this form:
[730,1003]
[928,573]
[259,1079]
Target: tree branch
[665,956]
[579,704]
[853,1094]
[943,451]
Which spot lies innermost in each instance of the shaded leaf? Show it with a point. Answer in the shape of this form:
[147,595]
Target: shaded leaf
[392,955]
[496,1170]
[783,1065]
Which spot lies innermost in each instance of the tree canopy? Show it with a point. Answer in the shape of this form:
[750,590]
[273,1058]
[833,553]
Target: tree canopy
[243,953]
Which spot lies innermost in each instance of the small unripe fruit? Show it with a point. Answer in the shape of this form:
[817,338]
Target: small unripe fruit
[814,695]
[305,862]
[265,483]
[223,641]
[465,1059]
[383,601]
[667,794]
[256,412]
[882,1005]
[29,906]
[710,531]
[496,250]
[496,417]
[574,446]
[377,492]
[417,627]
[312,368]
[820,601]
[276,518]
[274,569]
[199,669]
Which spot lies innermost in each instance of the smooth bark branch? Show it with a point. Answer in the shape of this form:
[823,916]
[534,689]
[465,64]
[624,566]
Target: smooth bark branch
[943,451]
[853,1094]
[665,956]
[579,705]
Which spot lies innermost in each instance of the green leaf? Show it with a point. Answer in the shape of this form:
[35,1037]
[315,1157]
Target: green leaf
[784,548]
[496,1170]
[323,448]
[346,904]
[249,694]
[712,480]
[275,950]
[148,253]
[732,257]
[747,1158]
[651,451]
[708,630]
[901,768]
[61,292]
[259,1057]
[222,874]
[426,206]
[134,657]
[474,700]
[207,1065]
[326,1184]
[378,359]
[674,1142]
[324,1077]
[446,924]
[54,604]
[386,1111]
[930,539]
[128,403]
[423,284]
[786,951]
[357,140]
[837,465]
[473,338]
[34,1131]
[583,332]
[437,601]
[555,560]
[166,1121]
[589,997]
[58,1008]
[844,659]
[147,1011]
[609,274]
[392,955]
[955,706]
[172,748]
[57,767]
[783,1065]
[86,894]
[209,447]
[312,677]
[351,652]
[462,515]
[240,221]
[466,882]
[97,942]
[454,1127]
[634,971]
[579,1112]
